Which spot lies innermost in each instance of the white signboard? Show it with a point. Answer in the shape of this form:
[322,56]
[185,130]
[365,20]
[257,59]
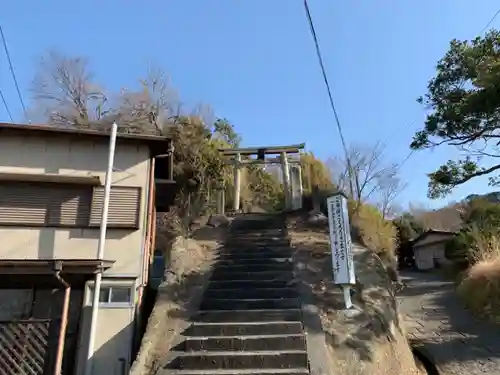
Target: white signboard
[340,240]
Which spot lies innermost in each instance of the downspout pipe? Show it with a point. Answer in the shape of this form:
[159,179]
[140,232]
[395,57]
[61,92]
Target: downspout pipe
[64,318]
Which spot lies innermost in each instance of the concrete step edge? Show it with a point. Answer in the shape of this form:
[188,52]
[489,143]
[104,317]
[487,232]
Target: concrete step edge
[254,289]
[241,371]
[240,353]
[270,322]
[264,311]
[243,337]
[281,260]
[263,281]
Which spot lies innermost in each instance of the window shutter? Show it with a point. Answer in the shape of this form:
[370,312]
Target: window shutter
[44,204]
[123,209]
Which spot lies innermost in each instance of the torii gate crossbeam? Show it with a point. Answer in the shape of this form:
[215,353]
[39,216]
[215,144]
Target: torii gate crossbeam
[292,176]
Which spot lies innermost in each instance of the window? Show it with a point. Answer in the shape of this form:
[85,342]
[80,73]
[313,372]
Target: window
[112,295]
[47,204]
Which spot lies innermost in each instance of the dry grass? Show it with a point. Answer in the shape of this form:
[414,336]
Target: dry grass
[371,343]
[374,231]
[480,288]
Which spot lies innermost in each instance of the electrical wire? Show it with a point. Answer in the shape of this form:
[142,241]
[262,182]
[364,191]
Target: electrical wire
[323,71]
[488,24]
[6,106]
[12,71]
[328,88]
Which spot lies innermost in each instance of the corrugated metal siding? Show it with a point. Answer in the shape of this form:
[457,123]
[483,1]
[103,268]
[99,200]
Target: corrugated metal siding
[124,205]
[44,204]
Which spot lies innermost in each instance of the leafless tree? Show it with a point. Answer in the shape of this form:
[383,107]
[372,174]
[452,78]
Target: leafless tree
[149,109]
[64,90]
[368,173]
[66,95]
[388,191]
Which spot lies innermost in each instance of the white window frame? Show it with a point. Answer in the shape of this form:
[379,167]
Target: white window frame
[110,286]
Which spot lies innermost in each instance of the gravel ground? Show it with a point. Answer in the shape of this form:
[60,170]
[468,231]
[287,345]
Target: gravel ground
[436,318]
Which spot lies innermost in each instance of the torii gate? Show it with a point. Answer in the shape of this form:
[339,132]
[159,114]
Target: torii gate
[292,174]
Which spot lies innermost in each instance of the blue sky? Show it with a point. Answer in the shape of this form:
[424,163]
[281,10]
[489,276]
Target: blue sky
[254,62]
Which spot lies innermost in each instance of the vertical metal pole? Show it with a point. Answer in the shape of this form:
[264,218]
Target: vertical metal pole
[237,183]
[100,250]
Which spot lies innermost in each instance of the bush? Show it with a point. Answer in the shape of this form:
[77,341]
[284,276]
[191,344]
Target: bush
[481,223]
[373,231]
[480,288]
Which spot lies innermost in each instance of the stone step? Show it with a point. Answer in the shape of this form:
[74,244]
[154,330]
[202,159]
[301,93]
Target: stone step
[261,242]
[258,235]
[249,303]
[262,254]
[263,266]
[248,284]
[262,293]
[241,343]
[252,261]
[269,229]
[240,360]
[262,371]
[253,246]
[244,329]
[248,316]
[261,275]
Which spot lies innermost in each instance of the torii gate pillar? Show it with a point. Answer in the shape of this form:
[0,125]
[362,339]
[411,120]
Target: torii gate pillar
[237,182]
[285,167]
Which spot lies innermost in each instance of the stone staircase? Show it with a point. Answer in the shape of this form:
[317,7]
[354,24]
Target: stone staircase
[249,321]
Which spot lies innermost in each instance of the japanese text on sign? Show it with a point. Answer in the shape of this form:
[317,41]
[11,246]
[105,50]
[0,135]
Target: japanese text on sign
[340,240]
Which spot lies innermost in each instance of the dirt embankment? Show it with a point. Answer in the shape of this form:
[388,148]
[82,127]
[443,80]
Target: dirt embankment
[368,341]
[179,296]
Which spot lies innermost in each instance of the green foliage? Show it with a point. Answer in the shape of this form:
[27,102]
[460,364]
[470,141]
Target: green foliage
[481,222]
[407,227]
[225,131]
[465,111]
[196,158]
[315,174]
[266,191]
[316,180]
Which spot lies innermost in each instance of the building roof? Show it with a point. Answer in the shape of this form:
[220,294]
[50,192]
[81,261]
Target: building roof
[431,232]
[157,144]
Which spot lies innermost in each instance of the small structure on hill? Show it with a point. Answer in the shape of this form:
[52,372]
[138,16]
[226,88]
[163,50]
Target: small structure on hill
[292,174]
[429,249]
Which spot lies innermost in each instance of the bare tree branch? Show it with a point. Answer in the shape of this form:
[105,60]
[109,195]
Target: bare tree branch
[369,171]
[389,191]
[64,88]
[148,109]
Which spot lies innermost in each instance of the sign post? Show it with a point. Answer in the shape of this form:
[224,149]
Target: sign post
[341,245]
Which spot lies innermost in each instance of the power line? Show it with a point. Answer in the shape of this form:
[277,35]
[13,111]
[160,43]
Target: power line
[12,71]
[6,106]
[323,71]
[488,24]
[328,89]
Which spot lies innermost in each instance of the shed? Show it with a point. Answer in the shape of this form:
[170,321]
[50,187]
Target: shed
[429,249]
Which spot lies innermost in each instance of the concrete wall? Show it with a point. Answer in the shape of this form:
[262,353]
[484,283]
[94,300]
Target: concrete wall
[77,157]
